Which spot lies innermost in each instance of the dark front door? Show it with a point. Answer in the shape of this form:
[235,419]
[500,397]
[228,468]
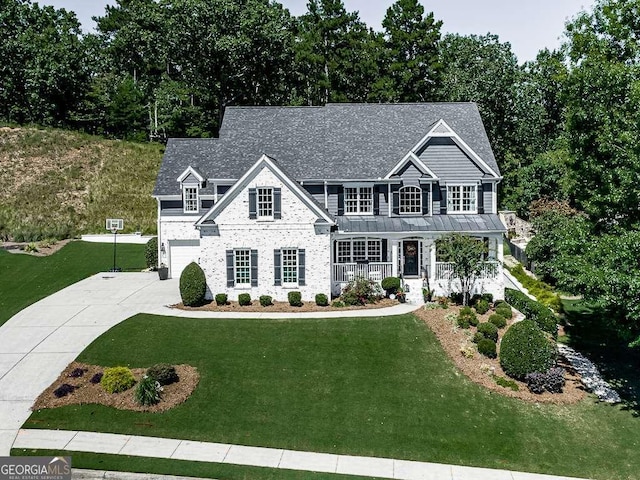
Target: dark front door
[410,253]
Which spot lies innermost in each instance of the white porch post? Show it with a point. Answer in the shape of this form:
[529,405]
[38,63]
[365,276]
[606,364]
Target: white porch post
[500,252]
[394,258]
[432,251]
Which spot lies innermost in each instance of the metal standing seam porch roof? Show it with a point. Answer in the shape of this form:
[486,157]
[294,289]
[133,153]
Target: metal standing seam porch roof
[480,223]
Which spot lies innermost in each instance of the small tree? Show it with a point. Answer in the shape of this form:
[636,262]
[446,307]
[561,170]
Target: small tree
[466,253]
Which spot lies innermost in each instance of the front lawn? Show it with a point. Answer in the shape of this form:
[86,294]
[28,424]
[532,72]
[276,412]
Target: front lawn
[361,386]
[25,279]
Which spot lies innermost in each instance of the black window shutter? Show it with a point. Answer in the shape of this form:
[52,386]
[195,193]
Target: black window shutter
[340,200]
[253,204]
[277,267]
[385,254]
[231,281]
[425,199]
[376,200]
[277,203]
[443,200]
[301,267]
[480,198]
[254,268]
[396,202]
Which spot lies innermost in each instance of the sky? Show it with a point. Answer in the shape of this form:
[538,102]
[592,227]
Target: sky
[529,26]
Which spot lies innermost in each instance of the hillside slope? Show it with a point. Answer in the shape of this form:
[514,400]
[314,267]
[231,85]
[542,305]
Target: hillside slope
[57,183]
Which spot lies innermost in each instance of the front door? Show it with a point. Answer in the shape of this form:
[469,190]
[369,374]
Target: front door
[411,260]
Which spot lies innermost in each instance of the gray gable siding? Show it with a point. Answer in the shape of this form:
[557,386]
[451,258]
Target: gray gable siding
[190,180]
[410,172]
[487,194]
[449,162]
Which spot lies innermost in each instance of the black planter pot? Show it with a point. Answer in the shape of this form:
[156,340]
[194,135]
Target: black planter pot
[163,273]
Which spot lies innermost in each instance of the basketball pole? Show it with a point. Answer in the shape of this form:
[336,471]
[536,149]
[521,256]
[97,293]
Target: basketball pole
[115,234]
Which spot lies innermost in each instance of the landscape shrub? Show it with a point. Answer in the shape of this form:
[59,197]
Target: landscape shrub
[148,391]
[338,304]
[266,300]
[542,291]
[96,378]
[295,299]
[540,314]
[77,372]
[551,381]
[361,291]
[163,373]
[497,303]
[193,285]
[506,382]
[487,347]
[456,298]
[117,379]
[467,317]
[498,320]
[443,302]
[505,310]
[63,390]
[221,299]
[477,337]
[244,299]
[322,300]
[535,382]
[526,349]
[487,297]
[390,284]
[151,253]
[489,330]
[482,306]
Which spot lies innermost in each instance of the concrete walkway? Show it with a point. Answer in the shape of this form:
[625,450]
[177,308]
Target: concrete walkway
[260,457]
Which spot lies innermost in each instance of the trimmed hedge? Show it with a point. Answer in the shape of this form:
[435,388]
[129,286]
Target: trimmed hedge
[487,347]
[266,300]
[151,253]
[543,316]
[542,291]
[193,285]
[295,299]
[221,299]
[489,330]
[505,310]
[482,306]
[526,349]
[244,299]
[390,284]
[498,320]
[117,379]
[322,300]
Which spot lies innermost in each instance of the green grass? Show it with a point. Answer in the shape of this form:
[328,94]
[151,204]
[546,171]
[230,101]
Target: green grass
[375,387]
[58,183]
[163,466]
[25,279]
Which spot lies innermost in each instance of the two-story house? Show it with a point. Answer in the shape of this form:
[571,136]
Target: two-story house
[308,198]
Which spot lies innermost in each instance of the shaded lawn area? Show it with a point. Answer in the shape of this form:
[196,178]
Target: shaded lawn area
[25,279]
[360,386]
[589,331]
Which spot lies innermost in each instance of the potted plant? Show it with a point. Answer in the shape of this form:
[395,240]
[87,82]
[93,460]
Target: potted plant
[163,271]
[401,295]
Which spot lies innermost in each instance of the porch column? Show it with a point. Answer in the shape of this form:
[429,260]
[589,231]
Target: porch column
[432,267]
[500,252]
[394,258]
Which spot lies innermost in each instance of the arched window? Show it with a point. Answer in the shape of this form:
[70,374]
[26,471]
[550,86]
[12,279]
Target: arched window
[411,200]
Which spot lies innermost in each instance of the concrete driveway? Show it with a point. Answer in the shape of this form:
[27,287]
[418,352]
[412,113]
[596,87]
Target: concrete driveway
[40,341]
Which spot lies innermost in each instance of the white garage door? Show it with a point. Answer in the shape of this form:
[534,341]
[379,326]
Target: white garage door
[181,254]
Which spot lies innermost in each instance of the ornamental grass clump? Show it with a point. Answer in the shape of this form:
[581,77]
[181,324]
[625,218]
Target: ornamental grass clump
[526,349]
[117,379]
[193,285]
[148,392]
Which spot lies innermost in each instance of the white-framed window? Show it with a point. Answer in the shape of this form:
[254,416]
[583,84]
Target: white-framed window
[190,199]
[242,267]
[265,202]
[410,200]
[289,260]
[358,200]
[359,249]
[462,199]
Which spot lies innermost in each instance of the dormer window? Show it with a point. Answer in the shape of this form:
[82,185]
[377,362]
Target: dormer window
[462,199]
[358,200]
[410,201]
[190,199]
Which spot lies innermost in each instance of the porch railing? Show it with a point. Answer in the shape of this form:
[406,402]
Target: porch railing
[444,270]
[376,271]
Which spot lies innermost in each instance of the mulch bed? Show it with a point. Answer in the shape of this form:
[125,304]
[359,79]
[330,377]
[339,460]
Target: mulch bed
[481,369]
[281,307]
[87,392]
[44,250]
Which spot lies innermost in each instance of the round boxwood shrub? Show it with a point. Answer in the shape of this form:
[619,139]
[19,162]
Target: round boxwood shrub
[295,299]
[526,349]
[498,320]
[163,373]
[322,300]
[482,306]
[477,337]
[193,285]
[489,330]
[467,317]
[221,298]
[117,379]
[390,284]
[487,347]
[244,299]
[151,253]
[266,300]
[504,310]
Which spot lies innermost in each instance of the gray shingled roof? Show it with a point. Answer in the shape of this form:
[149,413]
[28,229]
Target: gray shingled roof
[337,141]
[438,223]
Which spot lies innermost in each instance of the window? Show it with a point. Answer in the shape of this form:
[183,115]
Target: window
[190,199]
[357,250]
[265,203]
[410,200]
[242,267]
[358,200]
[289,266]
[461,198]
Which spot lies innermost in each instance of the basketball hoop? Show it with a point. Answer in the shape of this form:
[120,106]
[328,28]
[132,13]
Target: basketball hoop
[114,225]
